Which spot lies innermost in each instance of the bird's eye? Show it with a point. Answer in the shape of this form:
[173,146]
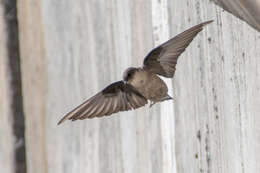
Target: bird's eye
[128,74]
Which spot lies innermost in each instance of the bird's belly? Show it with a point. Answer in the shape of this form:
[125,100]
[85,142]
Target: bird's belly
[152,87]
[156,89]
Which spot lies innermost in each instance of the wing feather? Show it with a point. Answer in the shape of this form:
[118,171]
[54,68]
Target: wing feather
[118,96]
[162,60]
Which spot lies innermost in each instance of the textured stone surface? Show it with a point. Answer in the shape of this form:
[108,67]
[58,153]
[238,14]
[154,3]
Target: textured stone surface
[71,50]
[216,89]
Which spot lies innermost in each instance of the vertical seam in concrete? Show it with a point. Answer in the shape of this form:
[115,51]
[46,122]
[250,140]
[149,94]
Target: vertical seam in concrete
[160,21]
[10,17]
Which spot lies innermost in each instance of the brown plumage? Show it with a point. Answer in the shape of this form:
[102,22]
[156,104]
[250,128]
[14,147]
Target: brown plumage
[139,84]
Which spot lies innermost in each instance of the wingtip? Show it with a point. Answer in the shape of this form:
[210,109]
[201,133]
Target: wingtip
[207,22]
[62,120]
[59,123]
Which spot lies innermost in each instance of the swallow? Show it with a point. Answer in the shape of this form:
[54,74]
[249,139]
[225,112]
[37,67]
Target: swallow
[139,84]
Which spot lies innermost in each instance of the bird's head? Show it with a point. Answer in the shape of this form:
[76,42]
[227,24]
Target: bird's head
[129,73]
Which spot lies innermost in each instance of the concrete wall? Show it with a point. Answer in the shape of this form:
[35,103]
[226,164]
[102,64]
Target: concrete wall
[216,89]
[72,49]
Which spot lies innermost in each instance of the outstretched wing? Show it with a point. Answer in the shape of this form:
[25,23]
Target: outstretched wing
[162,60]
[116,97]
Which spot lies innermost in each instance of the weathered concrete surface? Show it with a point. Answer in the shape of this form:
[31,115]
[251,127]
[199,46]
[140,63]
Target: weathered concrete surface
[6,134]
[248,11]
[79,48]
[216,92]
[33,64]
[72,50]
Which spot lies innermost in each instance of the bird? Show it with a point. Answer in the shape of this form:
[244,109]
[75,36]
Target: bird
[139,84]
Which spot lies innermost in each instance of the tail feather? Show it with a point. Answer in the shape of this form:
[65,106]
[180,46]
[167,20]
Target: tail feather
[167,97]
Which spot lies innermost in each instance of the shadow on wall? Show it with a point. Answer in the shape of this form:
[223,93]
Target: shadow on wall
[10,16]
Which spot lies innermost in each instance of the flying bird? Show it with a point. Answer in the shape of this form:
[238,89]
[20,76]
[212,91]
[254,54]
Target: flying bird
[139,84]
